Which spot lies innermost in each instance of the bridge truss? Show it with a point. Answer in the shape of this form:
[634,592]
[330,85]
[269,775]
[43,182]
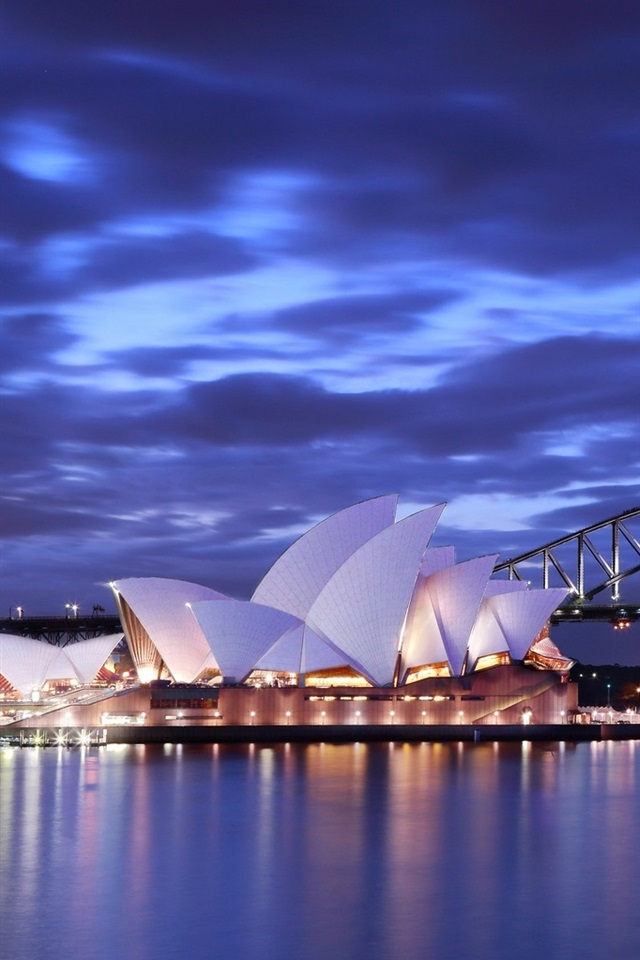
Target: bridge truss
[581,562]
[60,631]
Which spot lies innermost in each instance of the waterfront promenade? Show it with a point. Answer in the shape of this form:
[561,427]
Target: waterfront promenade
[329,733]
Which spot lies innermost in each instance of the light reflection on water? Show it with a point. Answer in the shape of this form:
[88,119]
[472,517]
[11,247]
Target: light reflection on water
[496,851]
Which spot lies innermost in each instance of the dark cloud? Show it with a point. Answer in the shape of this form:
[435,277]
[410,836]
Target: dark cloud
[32,340]
[525,158]
[32,209]
[509,403]
[343,320]
[119,263]
[482,408]
[177,361]
[133,260]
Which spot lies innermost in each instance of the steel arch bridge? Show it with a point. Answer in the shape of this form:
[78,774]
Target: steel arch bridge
[576,561]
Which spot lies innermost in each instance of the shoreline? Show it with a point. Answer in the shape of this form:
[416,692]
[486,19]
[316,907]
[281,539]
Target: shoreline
[330,733]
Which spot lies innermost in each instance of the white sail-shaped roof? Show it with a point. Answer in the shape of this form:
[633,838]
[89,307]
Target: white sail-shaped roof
[161,607]
[448,601]
[297,577]
[240,632]
[522,615]
[436,558]
[487,637]
[545,647]
[88,656]
[422,641]
[301,651]
[27,663]
[285,656]
[363,607]
[494,587]
[357,590]
[317,654]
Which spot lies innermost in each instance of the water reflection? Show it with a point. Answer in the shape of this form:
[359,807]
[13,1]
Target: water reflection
[377,851]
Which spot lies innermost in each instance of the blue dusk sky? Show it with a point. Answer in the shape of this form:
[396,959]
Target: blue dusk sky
[262,259]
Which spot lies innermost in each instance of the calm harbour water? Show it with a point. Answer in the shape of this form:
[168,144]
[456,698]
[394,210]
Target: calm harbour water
[496,851]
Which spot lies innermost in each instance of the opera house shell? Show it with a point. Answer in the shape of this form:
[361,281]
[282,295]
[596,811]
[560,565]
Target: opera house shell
[359,621]
[27,665]
[361,595]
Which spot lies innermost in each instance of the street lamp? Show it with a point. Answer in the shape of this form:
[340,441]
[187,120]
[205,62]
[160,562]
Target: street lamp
[20,612]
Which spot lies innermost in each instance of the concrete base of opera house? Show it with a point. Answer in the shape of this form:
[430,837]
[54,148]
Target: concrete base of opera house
[502,695]
[507,702]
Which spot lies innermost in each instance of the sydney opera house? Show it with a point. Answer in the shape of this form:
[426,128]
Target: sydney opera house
[359,621]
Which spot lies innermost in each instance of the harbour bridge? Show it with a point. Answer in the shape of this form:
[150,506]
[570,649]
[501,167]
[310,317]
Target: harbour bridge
[590,563]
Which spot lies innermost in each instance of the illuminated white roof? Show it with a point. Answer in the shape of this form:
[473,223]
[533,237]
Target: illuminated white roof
[317,654]
[522,615]
[545,647]
[285,655]
[422,642]
[443,614]
[161,607]
[487,636]
[357,590]
[300,651]
[363,607]
[297,577]
[494,587]
[88,656]
[27,663]
[240,632]
[436,558]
